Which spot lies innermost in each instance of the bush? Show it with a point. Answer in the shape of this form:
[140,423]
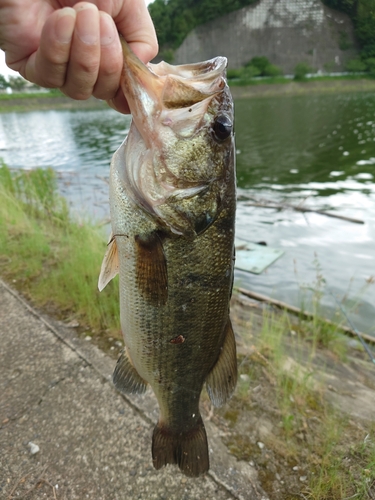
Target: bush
[370,65]
[250,71]
[301,70]
[355,66]
[234,73]
[260,62]
[272,70]
[260,66]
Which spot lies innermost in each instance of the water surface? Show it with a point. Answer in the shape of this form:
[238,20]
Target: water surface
[318,151]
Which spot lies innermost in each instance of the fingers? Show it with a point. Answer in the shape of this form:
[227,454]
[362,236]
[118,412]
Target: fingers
[79,52]
[111,59]
[83,67]
[119,102]
[47,66]
[135,24]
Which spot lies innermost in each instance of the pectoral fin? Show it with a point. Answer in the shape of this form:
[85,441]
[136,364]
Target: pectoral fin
[110,264]
[152,278]
[222,379]
[126,378]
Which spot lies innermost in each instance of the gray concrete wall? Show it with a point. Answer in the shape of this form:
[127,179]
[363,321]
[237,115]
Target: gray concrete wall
[285,31]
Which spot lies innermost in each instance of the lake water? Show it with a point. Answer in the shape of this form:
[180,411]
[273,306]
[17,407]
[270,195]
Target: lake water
[318,151]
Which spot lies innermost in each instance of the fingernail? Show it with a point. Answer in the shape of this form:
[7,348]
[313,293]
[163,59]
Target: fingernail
[87,23]
[64,26]
[108,32]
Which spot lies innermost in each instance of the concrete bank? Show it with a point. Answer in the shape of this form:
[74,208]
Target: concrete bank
[66,433]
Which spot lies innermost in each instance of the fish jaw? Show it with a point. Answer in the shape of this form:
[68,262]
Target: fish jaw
[153,88]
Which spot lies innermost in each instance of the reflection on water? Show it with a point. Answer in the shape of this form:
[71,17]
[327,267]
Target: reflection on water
[78,145]
[316,139]
[317,150]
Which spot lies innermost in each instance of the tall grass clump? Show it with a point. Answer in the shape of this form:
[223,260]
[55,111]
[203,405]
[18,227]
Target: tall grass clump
[283,393]
[51,258]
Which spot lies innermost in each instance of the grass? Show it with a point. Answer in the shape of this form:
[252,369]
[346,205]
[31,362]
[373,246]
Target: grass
[30,95]
[54,99]
[319,452]
[309,449]
[54,260]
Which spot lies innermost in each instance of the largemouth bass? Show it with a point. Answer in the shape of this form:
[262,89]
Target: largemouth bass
[172,199]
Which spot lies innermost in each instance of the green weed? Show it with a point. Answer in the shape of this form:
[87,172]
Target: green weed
[334,455]
[52,258]
[30,95]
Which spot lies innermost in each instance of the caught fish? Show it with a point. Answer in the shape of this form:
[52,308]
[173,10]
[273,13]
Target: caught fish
[172,199]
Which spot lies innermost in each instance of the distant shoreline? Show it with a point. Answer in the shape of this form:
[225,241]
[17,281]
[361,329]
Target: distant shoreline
[293,88]
[42,102]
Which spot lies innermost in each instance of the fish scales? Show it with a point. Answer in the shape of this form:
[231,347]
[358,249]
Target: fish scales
[172,197]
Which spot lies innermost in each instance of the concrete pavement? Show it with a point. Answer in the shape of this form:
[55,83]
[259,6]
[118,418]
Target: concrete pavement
[56,392]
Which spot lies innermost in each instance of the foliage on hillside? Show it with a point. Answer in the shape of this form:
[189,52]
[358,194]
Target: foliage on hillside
[174,19]
[362,13]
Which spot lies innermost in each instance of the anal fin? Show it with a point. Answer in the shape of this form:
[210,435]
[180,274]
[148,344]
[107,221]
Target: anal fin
[222,379]
[189,450]
[126,378]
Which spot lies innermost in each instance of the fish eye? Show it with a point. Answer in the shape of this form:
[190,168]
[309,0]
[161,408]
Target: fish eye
[222,127]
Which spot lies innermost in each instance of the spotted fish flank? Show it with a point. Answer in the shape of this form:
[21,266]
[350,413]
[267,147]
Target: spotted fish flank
[172,197]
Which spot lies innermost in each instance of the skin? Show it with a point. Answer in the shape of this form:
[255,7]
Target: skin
[74,46]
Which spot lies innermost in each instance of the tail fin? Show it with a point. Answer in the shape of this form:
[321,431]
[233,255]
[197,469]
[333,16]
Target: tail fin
[188,450]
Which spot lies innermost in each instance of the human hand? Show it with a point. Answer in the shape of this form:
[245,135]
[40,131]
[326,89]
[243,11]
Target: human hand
[74,45]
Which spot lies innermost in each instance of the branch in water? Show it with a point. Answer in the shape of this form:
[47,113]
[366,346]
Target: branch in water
[303,210]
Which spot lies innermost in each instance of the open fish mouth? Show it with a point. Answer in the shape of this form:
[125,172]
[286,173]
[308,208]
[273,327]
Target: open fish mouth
[152,88]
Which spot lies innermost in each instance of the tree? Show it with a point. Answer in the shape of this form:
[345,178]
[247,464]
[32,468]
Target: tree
[347,6]
[3,83]
[365,27]
[174,19]
[161,17]
[362,14]
[17,83]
